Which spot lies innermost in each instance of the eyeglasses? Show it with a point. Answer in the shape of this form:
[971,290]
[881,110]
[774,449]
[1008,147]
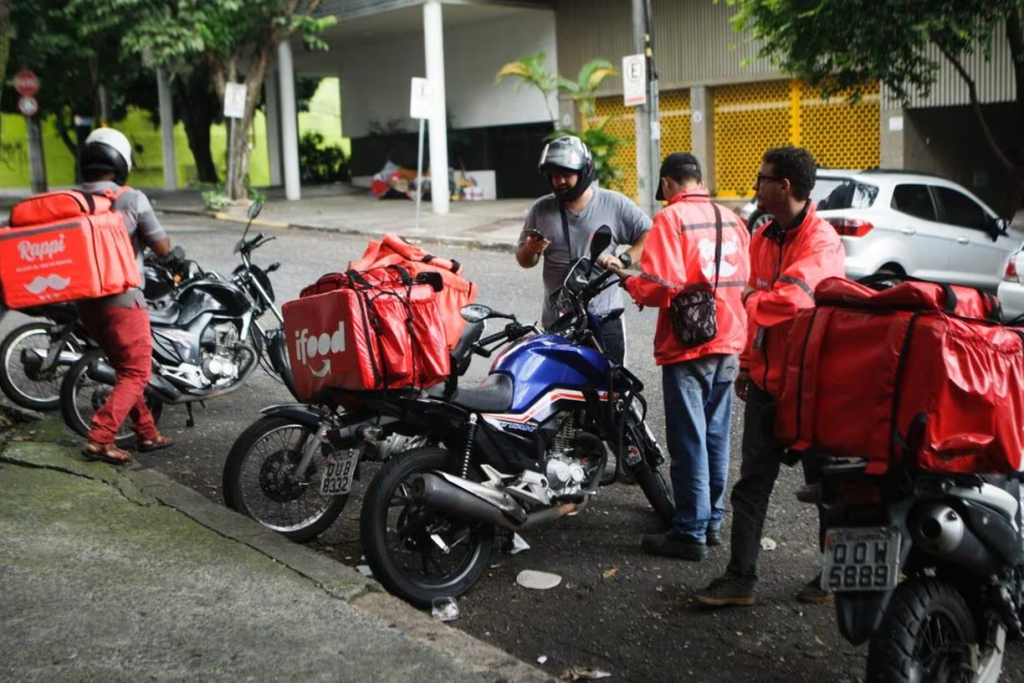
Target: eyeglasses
[761,177]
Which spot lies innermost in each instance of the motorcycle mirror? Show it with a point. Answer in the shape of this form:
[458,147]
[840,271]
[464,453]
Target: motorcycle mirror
[601,240]
[475,313]
[254,209]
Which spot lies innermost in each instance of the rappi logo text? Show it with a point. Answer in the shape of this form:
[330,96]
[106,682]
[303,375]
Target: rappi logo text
[308,347]
[30,251]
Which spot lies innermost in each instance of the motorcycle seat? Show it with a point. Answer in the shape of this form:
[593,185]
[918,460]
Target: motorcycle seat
[167,315]
[494,395]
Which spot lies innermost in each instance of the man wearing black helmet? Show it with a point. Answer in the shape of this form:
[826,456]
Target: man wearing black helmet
[559,227]
[120,323]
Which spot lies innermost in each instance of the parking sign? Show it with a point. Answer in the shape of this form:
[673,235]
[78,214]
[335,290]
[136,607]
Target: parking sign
[634,80]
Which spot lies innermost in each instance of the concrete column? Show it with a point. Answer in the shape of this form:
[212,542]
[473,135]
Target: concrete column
[433,41]
[167,130]
[892,122]
[702,132]
[289,123]
[273,127]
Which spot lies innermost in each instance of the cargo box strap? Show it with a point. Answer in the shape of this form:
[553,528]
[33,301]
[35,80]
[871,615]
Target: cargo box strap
[901,366]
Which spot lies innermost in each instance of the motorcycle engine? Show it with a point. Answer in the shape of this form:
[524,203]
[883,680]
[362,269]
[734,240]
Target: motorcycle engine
[566,468]
[217,348]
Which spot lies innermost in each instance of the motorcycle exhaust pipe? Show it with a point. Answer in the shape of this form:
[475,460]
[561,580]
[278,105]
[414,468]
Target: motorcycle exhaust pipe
[437,492]
[940,530]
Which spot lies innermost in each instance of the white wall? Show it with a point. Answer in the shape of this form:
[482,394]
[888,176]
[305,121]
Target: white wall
[375,76]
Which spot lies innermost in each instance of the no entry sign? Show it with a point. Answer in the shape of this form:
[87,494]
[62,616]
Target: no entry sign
[28,105]
[26,83]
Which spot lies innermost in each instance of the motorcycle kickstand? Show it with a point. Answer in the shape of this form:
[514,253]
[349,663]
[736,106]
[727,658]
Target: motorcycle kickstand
[190,421]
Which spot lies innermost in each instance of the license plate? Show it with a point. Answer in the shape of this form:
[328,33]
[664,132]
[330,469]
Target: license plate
[337,477]
[861,559]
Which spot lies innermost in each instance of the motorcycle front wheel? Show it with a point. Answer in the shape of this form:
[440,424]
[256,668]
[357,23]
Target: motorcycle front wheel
[23,380]
[81,396]
[649,474]
[259,481]
[925,635]
[419,553]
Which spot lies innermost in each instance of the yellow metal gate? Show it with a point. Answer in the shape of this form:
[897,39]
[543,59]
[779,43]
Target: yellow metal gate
[753,117]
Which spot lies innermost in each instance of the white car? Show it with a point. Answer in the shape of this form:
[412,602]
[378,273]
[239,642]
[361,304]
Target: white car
[919,225]
[826,180]
[1011,290]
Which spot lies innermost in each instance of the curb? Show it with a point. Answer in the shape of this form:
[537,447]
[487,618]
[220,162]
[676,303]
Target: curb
[467,242]
[338,580]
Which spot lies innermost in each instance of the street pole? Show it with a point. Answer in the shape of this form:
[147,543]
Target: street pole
[419,175]
[231,161]
[645,192]
[36,160]
[653,105]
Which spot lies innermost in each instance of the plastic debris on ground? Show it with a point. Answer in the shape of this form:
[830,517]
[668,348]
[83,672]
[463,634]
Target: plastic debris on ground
[529,578]
[518,545]
[444,609]
[542,659]
[768,544]
[365,570]
[611,572]
[582,673]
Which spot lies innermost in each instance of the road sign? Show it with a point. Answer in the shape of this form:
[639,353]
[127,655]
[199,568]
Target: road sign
[234,100]
[27,105]
[26,83]
[421,101]
[634,80]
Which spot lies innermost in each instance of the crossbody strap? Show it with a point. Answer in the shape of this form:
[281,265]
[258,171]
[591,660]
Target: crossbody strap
[565,229]
[718,243]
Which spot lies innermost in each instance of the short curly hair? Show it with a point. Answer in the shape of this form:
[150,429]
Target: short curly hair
[796,165]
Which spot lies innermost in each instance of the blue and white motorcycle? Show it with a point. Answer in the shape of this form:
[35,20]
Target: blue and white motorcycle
[527,446]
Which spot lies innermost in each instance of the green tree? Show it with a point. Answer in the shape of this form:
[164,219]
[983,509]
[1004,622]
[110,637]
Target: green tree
[230,40]
[530,70]
[842,45]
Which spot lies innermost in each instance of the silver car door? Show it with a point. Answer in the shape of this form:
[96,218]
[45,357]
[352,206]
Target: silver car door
[919,242]
[976,258]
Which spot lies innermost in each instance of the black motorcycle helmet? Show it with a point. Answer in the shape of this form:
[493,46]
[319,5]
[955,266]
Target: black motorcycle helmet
[568,154]
[106,151]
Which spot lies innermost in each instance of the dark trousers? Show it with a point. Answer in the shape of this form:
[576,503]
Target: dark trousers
[762,457]
[613,334]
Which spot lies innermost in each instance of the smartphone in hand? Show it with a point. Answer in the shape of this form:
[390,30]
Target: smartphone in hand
[535,234]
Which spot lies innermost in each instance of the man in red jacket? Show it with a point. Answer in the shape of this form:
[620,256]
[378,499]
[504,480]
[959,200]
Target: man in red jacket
[788,258]
[694,246]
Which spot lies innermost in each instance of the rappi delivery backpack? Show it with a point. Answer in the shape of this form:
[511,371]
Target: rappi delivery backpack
[921,375]
[64,246]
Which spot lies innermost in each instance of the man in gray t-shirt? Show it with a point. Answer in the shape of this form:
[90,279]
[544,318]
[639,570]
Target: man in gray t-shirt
[570,168]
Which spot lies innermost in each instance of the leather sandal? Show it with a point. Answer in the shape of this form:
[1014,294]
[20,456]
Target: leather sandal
[150,445]
[107,452]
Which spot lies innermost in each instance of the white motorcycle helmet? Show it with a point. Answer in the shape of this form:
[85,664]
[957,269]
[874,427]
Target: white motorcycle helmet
[107,150]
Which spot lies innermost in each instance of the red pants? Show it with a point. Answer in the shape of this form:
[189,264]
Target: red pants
[123,333]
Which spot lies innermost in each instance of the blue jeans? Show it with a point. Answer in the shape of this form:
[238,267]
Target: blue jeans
[698,413]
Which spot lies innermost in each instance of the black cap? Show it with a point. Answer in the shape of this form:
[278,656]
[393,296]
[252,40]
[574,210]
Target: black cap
[674,166]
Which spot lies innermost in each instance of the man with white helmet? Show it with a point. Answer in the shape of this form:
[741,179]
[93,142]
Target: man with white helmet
[120,323]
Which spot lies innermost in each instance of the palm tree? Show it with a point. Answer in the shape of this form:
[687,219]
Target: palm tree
[530,70]
[584,90]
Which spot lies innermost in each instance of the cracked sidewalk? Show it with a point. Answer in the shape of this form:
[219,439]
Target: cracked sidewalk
[125,575]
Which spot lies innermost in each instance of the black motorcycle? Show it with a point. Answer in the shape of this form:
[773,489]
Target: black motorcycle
[207,343]
[37,355]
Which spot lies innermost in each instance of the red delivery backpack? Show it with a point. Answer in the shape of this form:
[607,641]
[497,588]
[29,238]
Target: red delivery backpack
[64,246]
[921,375]
[366,331]
[392,250]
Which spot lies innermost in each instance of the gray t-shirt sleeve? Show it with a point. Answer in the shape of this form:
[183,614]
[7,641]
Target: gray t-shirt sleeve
[531,223]
[633,221]
[149,229]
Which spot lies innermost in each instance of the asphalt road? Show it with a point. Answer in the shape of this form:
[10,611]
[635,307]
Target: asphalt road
[616,609]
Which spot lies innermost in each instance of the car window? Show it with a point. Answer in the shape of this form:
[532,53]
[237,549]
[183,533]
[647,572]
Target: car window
[914,200]
[961,210]
[823,187]
[850,194]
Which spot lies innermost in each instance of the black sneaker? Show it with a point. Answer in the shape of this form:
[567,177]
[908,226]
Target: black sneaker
[813,594]
[673,544]
[714,537]
[726,591]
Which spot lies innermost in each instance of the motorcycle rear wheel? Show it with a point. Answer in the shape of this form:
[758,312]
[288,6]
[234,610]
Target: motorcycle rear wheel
[413,528]
[25,386]
[925,636]
[265,454]
[81,396]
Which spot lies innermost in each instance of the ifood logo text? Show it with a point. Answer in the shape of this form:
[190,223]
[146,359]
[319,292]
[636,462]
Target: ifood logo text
[308,347]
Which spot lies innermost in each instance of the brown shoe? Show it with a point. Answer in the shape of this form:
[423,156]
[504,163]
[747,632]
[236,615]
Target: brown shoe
[726,591]
[813,594]
[106,452]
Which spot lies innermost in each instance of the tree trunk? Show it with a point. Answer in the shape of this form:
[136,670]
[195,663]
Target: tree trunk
[240,142]
[192,101]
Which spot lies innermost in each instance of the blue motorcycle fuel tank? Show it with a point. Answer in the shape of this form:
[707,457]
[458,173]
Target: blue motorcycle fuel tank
[545,362]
